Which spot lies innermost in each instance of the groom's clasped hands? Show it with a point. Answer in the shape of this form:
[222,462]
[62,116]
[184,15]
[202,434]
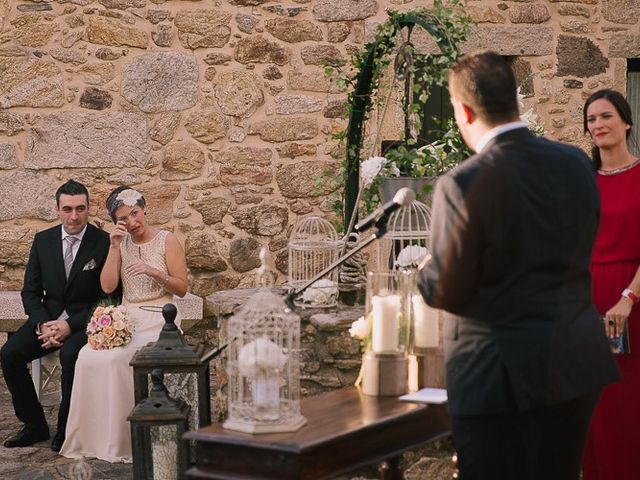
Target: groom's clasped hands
[53,333]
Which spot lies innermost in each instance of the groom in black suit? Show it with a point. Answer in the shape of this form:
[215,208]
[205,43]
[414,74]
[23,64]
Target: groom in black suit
[512,232]
[61,285]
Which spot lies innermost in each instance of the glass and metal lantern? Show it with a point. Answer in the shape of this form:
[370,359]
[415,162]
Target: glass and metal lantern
[158,423]
[186,376]
[313,246]
[407,240]
[263,367]
[387,313]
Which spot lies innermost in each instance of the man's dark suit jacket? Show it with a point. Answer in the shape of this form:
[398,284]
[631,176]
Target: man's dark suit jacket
[512,233]
[46,291]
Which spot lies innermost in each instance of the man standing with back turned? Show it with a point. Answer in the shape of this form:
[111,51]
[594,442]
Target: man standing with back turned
[61,285]
[512,231]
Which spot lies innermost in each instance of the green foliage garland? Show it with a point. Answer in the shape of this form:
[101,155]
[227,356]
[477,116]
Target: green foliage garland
[448,24]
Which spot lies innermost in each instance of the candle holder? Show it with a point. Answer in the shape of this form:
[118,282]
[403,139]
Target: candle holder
[425,356]
[388,311]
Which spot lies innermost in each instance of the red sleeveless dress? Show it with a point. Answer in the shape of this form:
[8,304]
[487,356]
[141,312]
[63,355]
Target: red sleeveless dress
[613,444]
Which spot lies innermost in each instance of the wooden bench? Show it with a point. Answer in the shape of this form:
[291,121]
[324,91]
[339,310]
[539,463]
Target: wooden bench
[12,317]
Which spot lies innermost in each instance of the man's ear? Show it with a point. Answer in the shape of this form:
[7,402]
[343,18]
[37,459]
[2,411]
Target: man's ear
[468,113]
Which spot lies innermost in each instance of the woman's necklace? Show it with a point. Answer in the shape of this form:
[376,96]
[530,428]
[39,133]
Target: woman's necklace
[620,169]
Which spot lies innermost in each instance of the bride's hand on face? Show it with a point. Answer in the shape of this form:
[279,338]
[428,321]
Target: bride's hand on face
[118,234]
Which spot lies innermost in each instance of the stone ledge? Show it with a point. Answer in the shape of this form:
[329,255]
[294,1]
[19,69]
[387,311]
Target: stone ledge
[12,314]
[225,303]
[190,308]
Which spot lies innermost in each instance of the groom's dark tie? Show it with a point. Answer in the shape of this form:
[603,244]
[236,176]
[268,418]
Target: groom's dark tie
[68,254]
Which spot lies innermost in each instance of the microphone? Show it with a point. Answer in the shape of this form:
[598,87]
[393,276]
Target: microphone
[402,198]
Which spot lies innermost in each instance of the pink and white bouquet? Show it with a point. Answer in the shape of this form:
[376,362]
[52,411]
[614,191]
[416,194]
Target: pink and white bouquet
[109,327]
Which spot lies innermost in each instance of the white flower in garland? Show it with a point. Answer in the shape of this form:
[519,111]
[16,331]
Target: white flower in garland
[373,166]
[370,168]
[530,117]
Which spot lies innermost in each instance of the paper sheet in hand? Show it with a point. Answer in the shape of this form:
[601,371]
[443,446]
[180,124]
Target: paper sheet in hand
[426,395]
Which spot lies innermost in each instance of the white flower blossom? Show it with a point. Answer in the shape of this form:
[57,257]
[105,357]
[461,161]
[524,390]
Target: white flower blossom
[260,354]
[370,168]
[529,117]
[129,197]
[322,292]
[394,170]
[360,329]
[411,255]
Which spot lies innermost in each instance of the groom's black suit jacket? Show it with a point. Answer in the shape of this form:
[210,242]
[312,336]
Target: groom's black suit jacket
[512,233]
[47,292]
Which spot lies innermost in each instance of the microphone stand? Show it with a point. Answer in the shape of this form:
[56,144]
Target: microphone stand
[381,230]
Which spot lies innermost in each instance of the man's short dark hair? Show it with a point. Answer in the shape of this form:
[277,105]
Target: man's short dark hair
[71,187]
[485,82]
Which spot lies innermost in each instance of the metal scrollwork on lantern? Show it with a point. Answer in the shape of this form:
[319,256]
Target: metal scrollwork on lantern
[313,246]
[264,367]
[157,426]
[407,240]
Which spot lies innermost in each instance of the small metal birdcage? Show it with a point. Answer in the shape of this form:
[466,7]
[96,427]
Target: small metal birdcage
[264,367]
[407,240]
[313,246]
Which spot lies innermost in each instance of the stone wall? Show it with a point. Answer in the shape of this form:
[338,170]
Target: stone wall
[220,113]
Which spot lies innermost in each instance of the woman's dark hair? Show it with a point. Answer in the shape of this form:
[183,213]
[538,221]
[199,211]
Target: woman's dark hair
[115,200]
[622,107]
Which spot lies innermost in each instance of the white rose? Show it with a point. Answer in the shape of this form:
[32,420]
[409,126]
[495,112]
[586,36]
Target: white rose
[360,328]
[370,168]
[260,354]
[411,255]
[322,292]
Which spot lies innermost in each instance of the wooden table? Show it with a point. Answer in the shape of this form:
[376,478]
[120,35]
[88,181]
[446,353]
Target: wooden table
[346,430]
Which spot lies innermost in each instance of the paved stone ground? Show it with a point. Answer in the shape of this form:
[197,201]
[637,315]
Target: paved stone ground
[40,463]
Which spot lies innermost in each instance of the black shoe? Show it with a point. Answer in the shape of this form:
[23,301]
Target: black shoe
[58,440]
[28,436]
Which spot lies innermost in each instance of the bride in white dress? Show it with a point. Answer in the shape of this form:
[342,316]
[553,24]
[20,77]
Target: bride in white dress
[151,265]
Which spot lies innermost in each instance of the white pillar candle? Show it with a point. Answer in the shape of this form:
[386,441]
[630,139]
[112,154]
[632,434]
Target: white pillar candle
[165,456]
[385,311]
[425,323]
[266,392]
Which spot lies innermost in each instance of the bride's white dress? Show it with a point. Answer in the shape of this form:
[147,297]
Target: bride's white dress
[102,396]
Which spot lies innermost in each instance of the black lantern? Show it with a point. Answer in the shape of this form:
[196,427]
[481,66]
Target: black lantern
[186,375]
[157,426]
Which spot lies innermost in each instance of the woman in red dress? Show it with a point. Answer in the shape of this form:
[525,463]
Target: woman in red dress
[613,445]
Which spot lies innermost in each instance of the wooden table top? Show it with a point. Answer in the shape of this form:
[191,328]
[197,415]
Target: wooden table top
[345,430]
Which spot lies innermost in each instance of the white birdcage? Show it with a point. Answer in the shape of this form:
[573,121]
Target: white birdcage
[264,367]
[406,242]
[313,246]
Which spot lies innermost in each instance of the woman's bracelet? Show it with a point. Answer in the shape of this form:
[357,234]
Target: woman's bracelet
[166,280]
